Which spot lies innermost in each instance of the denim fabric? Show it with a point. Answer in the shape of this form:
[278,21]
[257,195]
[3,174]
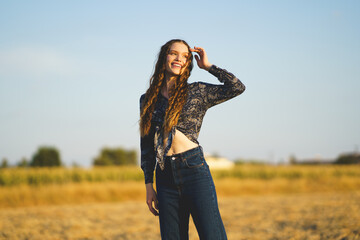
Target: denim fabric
[186,187]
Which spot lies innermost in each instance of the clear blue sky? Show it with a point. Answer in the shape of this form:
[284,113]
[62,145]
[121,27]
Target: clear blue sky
[72,72]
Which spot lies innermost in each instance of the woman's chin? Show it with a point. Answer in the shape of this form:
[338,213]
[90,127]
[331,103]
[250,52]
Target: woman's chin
[173,74]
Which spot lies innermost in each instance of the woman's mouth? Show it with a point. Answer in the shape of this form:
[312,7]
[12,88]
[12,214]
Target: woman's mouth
[176,65]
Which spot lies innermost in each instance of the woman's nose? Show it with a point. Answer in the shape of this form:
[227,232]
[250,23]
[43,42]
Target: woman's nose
[180,58]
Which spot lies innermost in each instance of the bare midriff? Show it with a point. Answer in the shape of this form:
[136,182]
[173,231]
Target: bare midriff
[180,144]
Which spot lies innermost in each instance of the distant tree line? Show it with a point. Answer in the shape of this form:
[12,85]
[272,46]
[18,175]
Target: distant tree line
[115,156]
[345,158]
[44,157]
[350,158]
[47,156]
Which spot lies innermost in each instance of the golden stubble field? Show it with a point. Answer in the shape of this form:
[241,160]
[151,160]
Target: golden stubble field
[324,206]
[297,216]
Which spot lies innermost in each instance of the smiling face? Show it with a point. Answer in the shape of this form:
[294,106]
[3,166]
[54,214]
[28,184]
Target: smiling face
[176,60]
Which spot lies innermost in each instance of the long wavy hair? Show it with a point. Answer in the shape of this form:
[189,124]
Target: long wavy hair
[178,92]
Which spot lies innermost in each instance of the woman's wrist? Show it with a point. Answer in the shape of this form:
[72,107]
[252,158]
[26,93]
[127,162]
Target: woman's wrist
[207,68]
[149,185]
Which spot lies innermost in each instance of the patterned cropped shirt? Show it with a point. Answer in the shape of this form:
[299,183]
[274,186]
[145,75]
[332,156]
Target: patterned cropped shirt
[201,96]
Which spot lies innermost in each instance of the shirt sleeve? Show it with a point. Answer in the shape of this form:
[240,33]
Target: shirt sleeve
[147,152]
[218,93]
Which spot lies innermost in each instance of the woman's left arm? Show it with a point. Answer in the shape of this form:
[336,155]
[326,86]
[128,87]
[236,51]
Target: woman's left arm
[215,94]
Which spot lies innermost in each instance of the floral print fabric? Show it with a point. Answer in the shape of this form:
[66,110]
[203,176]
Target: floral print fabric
[201,96]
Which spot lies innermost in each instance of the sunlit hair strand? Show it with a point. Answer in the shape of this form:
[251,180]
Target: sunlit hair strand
[178,93]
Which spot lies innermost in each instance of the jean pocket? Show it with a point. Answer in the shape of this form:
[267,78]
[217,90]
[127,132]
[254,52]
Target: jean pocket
[194,161]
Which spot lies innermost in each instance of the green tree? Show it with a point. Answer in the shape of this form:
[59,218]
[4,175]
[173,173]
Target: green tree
[99,161]
[132,157]
[46,157]
[351,158]
[115,156]
[292,159]
[23,163]
[75,165]
[4,163]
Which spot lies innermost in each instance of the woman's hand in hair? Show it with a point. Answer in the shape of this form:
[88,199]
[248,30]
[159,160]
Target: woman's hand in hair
[201,58]
[150,198]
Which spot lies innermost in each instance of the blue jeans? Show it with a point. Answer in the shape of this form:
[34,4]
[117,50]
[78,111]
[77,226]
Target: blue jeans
[186,187]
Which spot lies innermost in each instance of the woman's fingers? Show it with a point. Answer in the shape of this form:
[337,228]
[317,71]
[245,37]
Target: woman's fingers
[152,199]
[197,50]
[200,49]
[151,208]
[201,58]
[197,58]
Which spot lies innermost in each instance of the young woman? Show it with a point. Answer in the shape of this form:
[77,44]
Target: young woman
[171,114]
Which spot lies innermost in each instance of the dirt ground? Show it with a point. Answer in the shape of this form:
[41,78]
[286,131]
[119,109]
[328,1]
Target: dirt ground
[297,216]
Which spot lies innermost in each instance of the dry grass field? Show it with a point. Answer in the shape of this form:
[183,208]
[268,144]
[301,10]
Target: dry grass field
[256,202]
[297,216]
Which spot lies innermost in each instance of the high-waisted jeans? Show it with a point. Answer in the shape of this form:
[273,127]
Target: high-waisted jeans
[186,187]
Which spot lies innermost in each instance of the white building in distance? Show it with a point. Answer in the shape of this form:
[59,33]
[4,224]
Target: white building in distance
[218,162]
